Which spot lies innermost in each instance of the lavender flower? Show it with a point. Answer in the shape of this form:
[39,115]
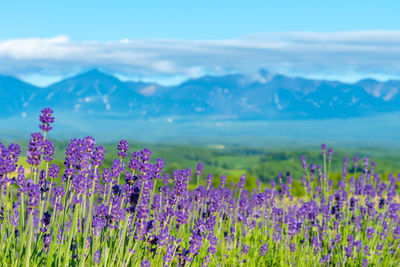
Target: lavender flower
[323,148]
[303,162]
[365,163]
[245,249]
[54,171]
[159,168]
[48,150]
[180,179]
[123,147]
[223,181]
[96,257]
[46,221]
[292,247]
[145,155]
[355,160]
[33,194]
[242,181]
[330,154]
[199,169]
[345,170]
[263,249]
[209,180]
[145,263]
[46,119]
[35,146]
[98,156]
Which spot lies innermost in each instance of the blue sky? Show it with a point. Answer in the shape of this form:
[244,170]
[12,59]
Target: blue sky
[115,20]
[168,41]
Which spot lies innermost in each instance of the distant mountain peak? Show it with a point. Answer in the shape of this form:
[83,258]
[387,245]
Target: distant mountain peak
[263,96]
[265,73]
[367,80]
[264,76]
[95,73]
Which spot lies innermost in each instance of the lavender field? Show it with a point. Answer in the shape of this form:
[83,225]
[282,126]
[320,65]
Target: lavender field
[137,214]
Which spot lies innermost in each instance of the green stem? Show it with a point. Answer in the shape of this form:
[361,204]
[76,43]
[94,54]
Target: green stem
[87,223]
[71,234]
[28,247]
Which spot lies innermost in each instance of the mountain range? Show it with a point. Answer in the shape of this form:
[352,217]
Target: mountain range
[234,96]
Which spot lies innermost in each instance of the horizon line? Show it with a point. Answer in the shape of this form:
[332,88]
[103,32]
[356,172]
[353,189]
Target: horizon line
[126,78]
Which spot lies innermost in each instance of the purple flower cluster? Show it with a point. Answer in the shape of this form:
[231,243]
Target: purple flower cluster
[123,147]
[35,147]
[8,159]
[46,119]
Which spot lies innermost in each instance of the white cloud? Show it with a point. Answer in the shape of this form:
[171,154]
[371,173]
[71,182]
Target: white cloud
[164,66]
[37,48]
[337,55]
